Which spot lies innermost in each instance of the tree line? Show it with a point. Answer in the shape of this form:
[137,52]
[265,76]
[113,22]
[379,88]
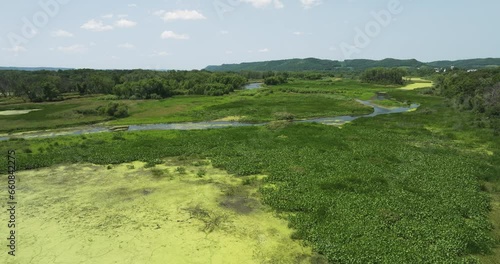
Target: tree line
[386,76]
[472,91]
[477,91]
[40,86]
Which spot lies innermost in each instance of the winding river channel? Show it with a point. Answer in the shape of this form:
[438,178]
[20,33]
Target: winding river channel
[92,129]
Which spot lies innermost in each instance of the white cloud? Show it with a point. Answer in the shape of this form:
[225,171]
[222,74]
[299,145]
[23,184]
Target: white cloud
[180,15]
[15,49]
[96,25]
[124,23]
[173,35]
[278,4]
[298,33]
[122,15]
[264,50]
[310,3]
[72,49]
[159,54]
[229,52]
[61,34]
[224,32]
[108,16]
[126,46]
[132,5]
[159,12]
[265,3]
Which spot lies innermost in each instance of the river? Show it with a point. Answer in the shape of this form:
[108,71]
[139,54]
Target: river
[332,121]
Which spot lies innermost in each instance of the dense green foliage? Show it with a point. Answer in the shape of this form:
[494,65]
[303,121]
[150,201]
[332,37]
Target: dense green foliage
[384,76]
[478,92]
[276,80]
[312,64]
[114,109]
[42,86]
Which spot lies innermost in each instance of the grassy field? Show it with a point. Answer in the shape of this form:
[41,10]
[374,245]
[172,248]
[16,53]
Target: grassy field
[255,108]
[51,115]
[417,83]
[408,188]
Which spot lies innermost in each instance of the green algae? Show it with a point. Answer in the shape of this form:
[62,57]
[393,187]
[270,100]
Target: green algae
[91,214]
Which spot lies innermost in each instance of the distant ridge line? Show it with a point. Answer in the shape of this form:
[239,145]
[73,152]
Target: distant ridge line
[314,64]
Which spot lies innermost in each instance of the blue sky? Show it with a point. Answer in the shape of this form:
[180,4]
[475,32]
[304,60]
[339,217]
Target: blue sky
[192,34]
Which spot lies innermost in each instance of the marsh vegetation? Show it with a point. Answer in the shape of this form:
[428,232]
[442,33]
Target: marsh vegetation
[415,187]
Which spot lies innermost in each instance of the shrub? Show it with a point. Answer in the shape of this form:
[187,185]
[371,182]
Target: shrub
[153,163]
[155,97]
[200,163]
[157,173]
[87,111]
[284,116]
[250,181]
[117,110]
[180,170]
[201,172]
[108,98]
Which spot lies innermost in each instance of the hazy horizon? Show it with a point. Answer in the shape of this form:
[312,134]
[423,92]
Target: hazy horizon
[195,34]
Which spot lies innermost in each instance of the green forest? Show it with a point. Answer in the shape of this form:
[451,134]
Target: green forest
[40,86]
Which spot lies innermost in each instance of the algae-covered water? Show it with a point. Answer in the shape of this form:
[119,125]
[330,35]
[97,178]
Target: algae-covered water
[128,214]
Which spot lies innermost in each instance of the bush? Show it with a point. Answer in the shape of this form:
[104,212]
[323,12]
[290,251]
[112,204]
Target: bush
[180,170]
[87,111]
[284,116]
[108,98]
[117,110]
[201,163]
[275,80]
[155,97]
[157,173]
[250,181]
[201,172]
[153,163]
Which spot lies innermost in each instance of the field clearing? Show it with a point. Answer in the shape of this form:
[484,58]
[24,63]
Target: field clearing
[417,83]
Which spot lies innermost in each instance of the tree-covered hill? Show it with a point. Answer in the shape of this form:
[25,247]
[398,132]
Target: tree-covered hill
[313,64]
[309,64]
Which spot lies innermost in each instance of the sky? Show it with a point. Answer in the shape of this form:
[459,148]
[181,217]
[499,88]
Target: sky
[192,34]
